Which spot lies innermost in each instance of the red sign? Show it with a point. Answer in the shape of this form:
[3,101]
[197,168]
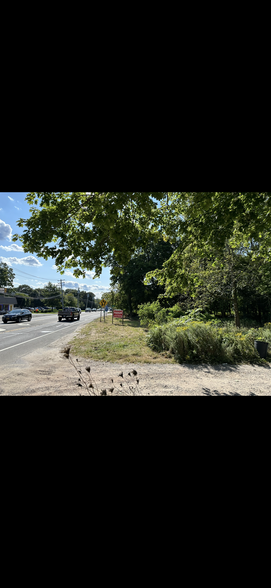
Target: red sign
[118,314]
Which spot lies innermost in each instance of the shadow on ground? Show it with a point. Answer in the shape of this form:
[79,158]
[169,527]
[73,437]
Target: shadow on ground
[208,392]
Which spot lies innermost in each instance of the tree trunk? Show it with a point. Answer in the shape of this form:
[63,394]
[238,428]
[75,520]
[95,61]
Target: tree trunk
[236,309]
[130,304]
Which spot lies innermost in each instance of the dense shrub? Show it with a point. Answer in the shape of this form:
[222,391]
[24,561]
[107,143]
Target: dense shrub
[154,314]
[192,340]
[148,313]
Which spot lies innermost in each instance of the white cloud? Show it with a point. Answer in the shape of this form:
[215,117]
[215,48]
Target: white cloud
[41,284]
[17,207]
[12,247]
[86,287]
[101,289]
[12,199]
[30,261]
[89,275]
[5,231]
[71,285]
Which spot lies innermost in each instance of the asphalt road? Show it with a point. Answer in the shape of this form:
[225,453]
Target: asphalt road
[18,340]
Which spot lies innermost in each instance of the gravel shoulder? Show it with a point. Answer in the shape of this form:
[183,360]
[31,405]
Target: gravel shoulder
[46,372]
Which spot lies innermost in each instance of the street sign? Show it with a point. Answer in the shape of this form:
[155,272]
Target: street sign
[2,290]
[118,314]
[103,303]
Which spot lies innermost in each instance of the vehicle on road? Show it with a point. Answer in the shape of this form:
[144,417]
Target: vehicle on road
[93,309]
[70,314]
[88,310]
[17,316]
[3,312]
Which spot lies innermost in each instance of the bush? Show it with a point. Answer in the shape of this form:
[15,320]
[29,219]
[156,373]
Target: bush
[197,341]
[152,313]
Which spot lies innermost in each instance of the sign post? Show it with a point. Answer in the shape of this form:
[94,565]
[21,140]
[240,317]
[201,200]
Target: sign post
[103,305]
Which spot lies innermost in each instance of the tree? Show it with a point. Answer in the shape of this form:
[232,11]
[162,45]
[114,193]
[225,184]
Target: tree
[81,230]
[213,217]
[70,300]
[130,278]
[7,275]
[51,295]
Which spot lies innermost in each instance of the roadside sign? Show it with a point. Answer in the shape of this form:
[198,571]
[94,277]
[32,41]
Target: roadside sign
[103,303]
[2,290]
[117,314]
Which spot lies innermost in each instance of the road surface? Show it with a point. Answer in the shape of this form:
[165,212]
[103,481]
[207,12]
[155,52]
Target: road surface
[18,340]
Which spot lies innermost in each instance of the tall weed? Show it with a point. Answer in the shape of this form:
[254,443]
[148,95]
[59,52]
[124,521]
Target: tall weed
[197,341]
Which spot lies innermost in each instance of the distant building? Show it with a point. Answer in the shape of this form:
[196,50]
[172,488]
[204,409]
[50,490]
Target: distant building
[7,302]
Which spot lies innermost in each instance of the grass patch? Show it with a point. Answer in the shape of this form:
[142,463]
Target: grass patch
[127,343]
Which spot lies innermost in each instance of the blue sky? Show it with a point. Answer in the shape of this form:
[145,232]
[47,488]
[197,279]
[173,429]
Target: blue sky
[31,269]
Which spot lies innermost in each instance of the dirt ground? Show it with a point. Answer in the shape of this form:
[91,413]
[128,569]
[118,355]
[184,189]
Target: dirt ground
[47,373]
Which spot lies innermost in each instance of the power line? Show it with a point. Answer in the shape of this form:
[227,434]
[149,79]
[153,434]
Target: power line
[32,276]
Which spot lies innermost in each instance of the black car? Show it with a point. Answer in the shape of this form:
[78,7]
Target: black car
[3,312]
[17,316]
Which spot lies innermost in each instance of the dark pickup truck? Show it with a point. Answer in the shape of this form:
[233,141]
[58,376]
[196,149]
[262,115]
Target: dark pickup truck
[70,314]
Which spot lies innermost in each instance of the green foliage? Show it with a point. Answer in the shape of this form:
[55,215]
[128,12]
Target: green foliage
[129,279]
[70,300]
[209,249]
[81,230]
[7,275]
[198,341]
[151,314]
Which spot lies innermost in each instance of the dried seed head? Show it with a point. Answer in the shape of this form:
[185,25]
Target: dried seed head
[137,381]
[91,386]
[134,372]
[121,375]
[88,369]
[66,352]
[111,390]
[103,393]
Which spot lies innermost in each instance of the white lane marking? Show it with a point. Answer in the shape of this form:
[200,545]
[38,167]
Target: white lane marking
[35,328]
[23,343]
[29,340]
[47,331]
[2,329]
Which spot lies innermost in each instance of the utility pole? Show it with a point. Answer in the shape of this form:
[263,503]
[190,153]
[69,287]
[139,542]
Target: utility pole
[78,297]
[62,283]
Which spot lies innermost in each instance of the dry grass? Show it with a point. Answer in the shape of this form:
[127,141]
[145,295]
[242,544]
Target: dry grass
[116,343]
